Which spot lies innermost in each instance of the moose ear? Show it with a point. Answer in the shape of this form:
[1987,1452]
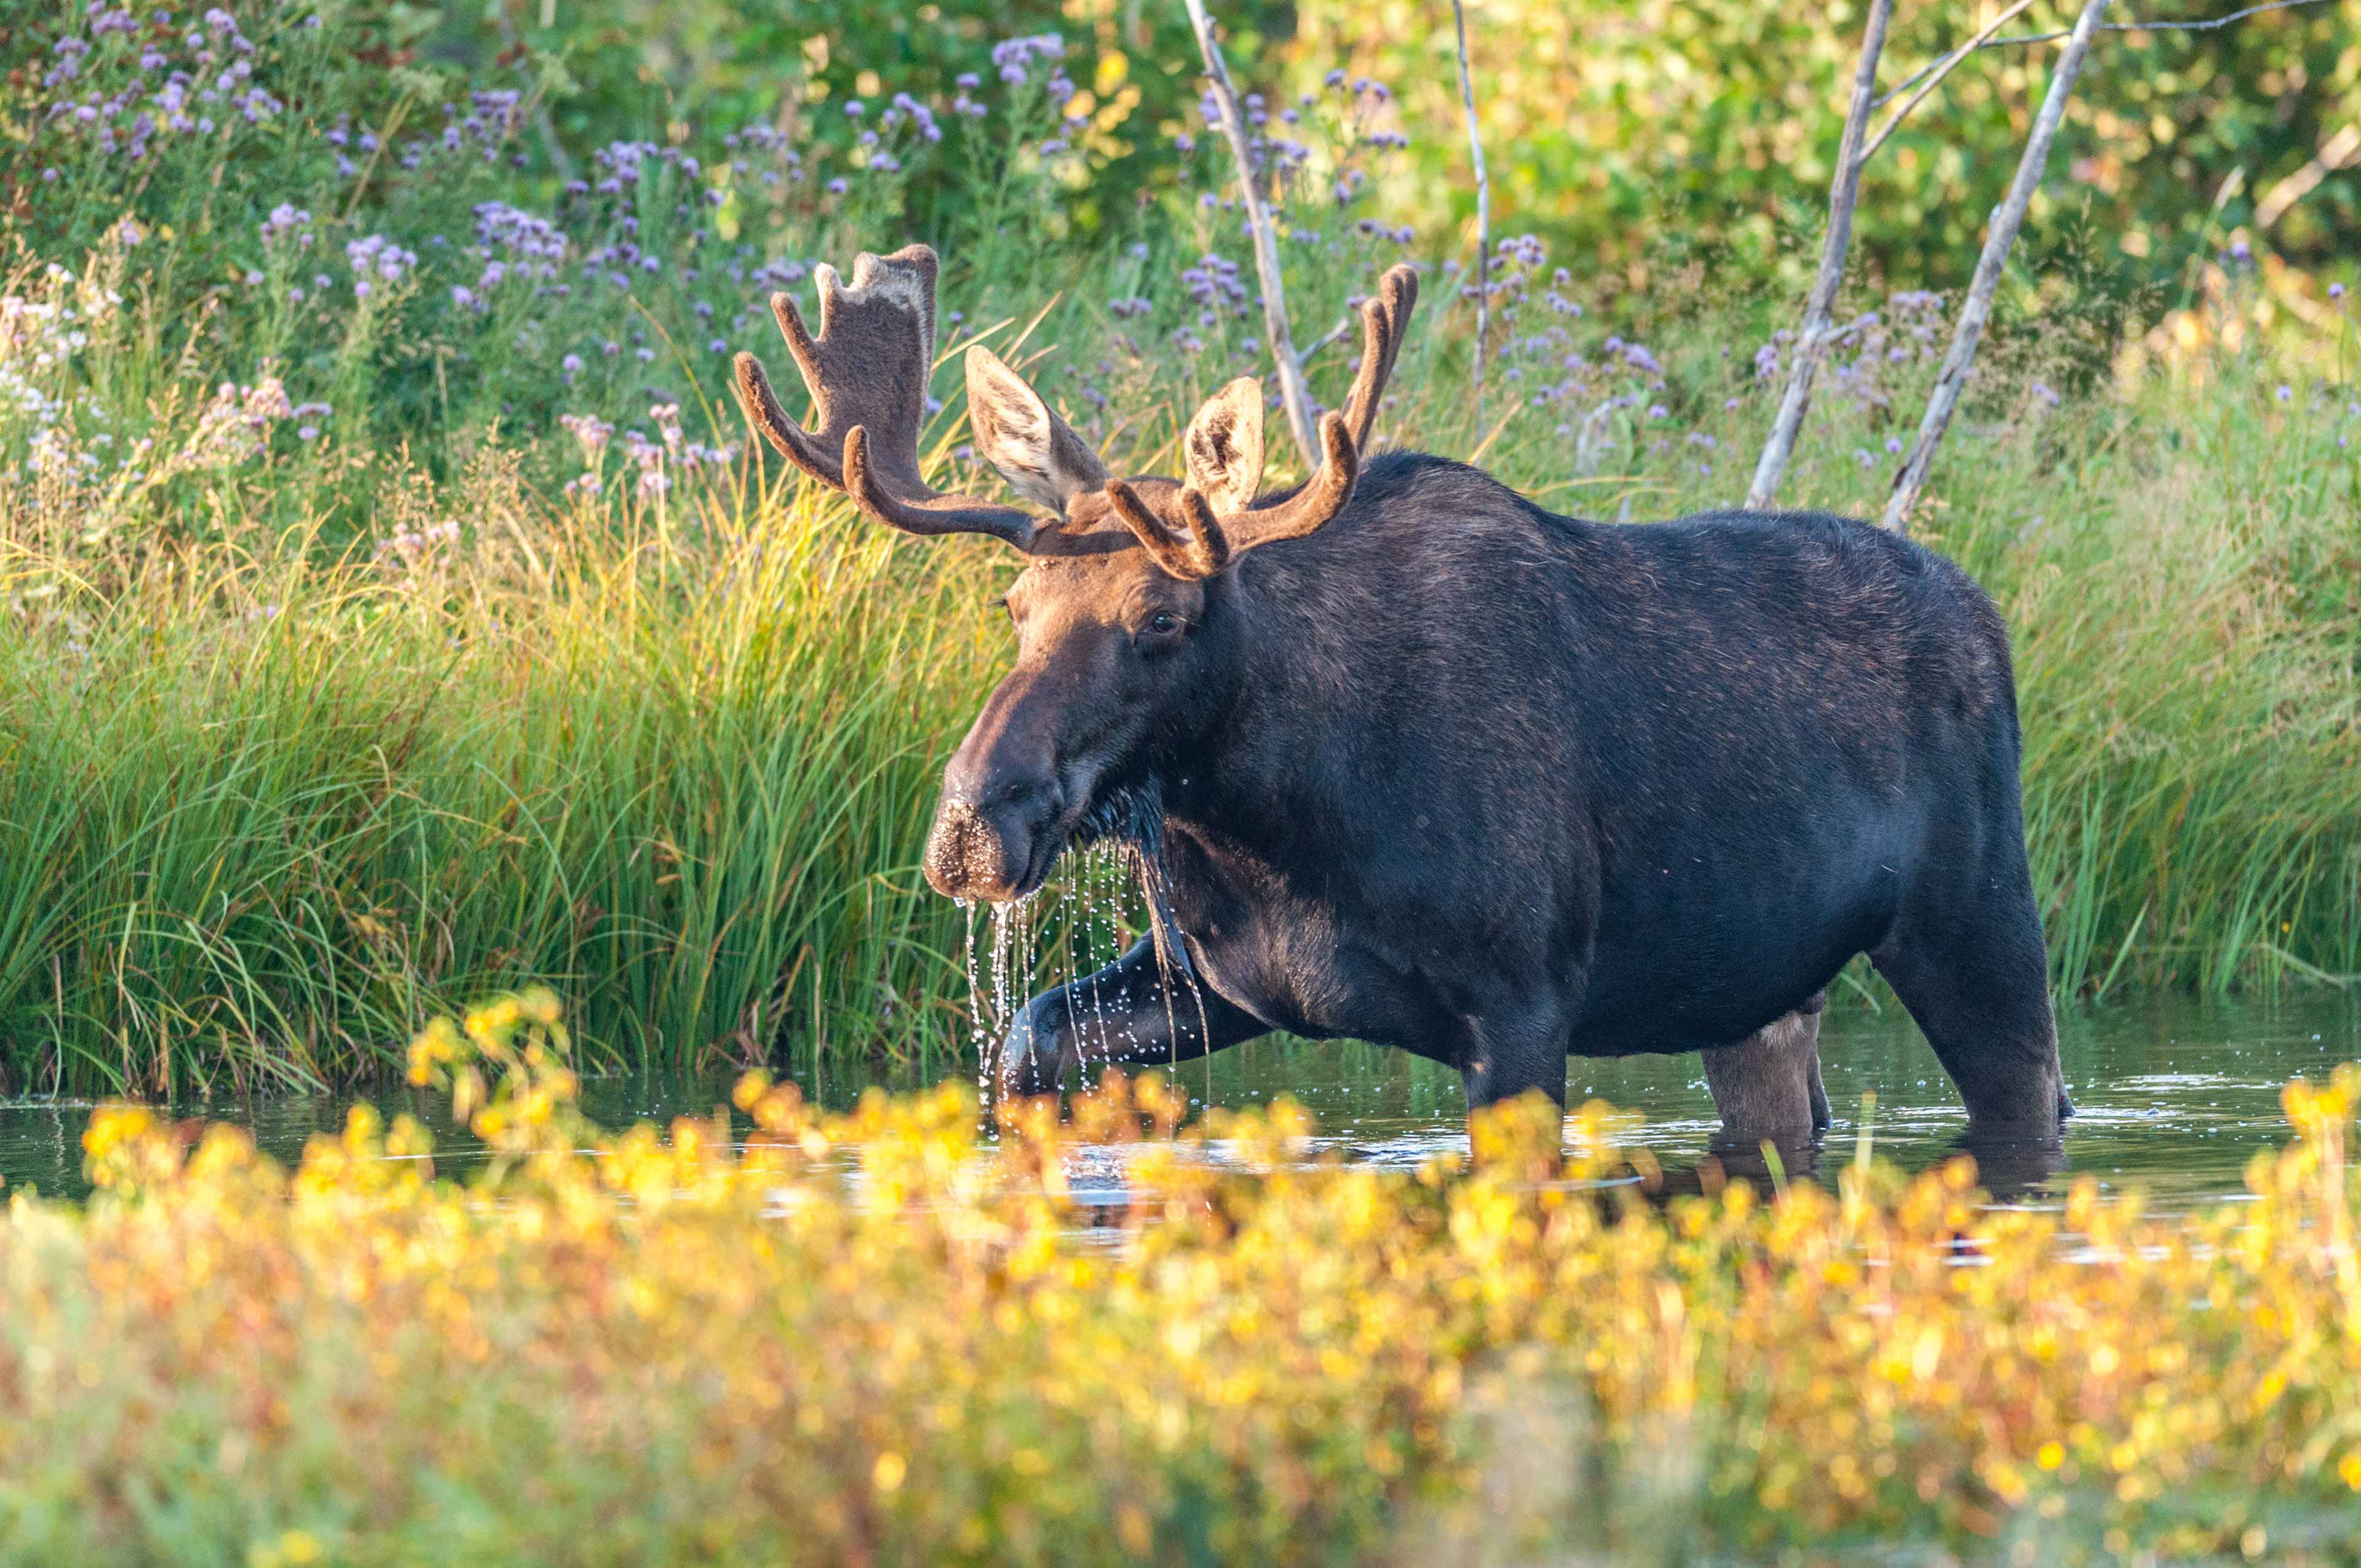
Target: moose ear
[1037,452]
[1224,447]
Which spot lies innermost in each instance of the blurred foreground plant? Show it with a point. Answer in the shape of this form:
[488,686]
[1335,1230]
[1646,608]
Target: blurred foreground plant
[880,1337]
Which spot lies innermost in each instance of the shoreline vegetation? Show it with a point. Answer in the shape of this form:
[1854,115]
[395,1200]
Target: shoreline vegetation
[399,613]
[869,1335]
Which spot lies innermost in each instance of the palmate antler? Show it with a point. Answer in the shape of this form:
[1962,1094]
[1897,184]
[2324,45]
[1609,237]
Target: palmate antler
[868,368]
[1223,453]
[867,371]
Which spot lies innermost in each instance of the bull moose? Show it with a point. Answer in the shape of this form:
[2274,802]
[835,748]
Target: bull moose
[1420,762]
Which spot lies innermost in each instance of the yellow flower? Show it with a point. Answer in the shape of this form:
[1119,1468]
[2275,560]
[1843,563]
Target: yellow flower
[295,1548]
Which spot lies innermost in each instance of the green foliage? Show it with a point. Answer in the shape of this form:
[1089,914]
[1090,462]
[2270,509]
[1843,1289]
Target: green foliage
[1646,135]
[1639,133]
[378,641]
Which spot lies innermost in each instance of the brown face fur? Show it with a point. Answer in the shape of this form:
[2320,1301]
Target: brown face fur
[1121,649]
[1112,656]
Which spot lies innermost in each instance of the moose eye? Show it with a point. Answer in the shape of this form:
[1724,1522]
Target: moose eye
[1164,623]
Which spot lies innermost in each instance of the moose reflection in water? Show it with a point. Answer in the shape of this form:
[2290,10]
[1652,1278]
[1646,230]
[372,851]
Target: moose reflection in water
[1412,759]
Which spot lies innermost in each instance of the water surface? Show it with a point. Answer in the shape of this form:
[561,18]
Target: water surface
[2171,1095]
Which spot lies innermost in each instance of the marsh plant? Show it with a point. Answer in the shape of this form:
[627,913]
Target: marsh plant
[398,609]
[871,1336]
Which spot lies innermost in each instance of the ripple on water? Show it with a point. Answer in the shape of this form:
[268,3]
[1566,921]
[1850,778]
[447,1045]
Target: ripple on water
[2172,1096]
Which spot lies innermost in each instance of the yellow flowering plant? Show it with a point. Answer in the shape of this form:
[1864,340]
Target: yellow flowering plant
[776,1334]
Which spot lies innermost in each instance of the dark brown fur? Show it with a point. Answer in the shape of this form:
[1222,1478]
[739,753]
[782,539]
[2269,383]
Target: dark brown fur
[1413,760]
[1498,785]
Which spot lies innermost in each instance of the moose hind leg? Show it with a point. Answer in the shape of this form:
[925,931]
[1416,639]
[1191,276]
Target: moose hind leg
[1767,1086]
[1974,977]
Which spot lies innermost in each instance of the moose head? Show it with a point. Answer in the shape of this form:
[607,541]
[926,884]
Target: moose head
[1129,627]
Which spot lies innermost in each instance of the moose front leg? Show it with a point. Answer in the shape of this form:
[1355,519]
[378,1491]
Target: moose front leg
[1130,1013]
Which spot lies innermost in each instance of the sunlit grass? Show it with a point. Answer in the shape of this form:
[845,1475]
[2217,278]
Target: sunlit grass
[266,810]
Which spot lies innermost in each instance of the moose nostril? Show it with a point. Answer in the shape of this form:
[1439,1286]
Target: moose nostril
[960,852]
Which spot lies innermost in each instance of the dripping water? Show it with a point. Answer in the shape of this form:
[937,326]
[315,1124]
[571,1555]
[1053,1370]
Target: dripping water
[1117,853]
[1171,949]
[1097,887]
[976,1032]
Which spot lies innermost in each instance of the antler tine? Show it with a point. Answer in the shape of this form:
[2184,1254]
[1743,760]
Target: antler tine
[867,371]
[1321,498]
[764,412]
[1223,447]
[1385,320]
[928,513]
[1193,556]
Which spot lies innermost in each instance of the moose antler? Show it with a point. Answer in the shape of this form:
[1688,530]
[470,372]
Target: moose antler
[867,372]
[1193,556]
[1222,451]
[1210,541]
[1321,498]
[1385,320]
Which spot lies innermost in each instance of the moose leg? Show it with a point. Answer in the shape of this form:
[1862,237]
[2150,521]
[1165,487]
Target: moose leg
[1130,1013]
[1767,1086]
[1969,968]
[1509,1056]
[1822,1117]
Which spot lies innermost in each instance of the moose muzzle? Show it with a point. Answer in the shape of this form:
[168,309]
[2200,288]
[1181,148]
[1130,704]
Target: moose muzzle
[993,845]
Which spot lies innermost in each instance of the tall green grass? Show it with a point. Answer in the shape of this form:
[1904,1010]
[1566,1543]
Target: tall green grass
[306,737]
[264,809]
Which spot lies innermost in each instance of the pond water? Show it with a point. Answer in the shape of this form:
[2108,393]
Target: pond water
[2171,1095]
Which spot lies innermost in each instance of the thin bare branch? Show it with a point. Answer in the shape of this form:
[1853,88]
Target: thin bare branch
[1344,324]
[2340,149]
[1976,306]
[1483,208]
[1933,76]
[2207,25]
[1820,310]
[1293,395]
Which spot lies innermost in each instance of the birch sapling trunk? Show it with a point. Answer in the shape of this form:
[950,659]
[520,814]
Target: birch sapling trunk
[1927,79]
[1820,311]
[1483,212]
[1976,309]
[1293,396]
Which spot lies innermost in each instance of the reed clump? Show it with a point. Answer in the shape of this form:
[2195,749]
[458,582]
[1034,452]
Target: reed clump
[873,1337]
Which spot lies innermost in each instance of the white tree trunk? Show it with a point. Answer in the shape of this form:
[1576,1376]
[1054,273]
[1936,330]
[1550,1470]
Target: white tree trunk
[1483,214]
[1820,311]
[1293,396]
[1977,307]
